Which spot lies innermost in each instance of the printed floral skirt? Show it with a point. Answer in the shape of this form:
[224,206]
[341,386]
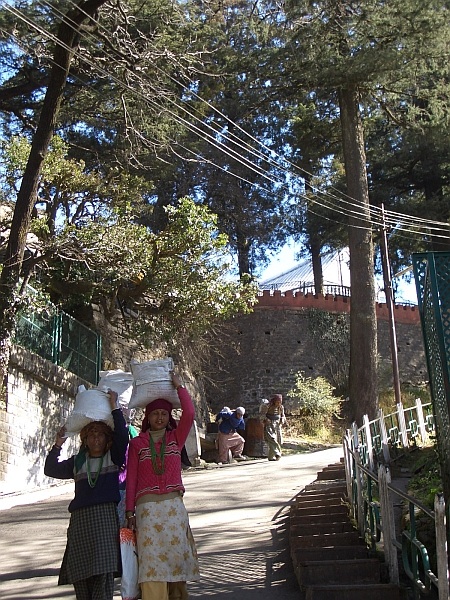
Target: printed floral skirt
[166,547]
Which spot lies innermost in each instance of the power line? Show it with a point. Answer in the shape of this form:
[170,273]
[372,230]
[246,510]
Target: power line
[341,207]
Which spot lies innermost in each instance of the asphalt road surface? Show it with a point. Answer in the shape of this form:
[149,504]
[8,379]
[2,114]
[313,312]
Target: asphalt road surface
[238,515]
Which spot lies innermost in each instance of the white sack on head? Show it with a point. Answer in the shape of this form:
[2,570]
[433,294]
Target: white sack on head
[90,405]
[152,380]
[118,381]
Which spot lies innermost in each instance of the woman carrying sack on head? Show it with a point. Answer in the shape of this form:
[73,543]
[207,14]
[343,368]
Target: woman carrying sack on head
[154,500]
[92,556]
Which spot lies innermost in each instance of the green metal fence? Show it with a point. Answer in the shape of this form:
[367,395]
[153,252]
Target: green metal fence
[432,275]
[58,337]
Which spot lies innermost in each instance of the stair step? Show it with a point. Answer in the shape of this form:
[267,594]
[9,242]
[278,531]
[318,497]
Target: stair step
[331,553]
[335,474]
[330,559]
[322,486]
[334,468]
[368,592]
[299,511]
[319,501]
[328,539]
[317,495]
[326,517]
[339,572]
[321,528]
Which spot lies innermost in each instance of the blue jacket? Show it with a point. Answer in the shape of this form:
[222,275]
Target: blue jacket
[230,422]
[106,488]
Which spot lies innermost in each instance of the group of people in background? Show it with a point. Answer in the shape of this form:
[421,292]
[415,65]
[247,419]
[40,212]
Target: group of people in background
[117,466]
[154,505]
[231,422]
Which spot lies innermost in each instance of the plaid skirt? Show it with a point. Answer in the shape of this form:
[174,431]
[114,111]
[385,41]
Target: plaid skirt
[165,545]
[92,543]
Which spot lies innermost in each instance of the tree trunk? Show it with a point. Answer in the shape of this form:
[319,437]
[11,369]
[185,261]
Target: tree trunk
[317,266]
[363,321]
[243,251]
[26,198]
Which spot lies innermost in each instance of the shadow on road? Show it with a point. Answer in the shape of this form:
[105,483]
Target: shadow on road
[265,573]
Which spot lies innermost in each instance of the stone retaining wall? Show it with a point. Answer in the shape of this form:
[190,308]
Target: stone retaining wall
[40,396]
[263,351]
[266,348]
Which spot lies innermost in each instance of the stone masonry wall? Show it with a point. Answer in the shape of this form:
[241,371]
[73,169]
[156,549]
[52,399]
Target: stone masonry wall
[266,348]
[263,351]
[40,396]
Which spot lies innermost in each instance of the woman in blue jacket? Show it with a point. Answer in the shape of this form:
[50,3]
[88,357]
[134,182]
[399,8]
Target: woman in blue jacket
[231,444]
[92,556]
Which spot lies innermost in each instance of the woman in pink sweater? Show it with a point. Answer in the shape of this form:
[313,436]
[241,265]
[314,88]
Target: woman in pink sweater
[154,500]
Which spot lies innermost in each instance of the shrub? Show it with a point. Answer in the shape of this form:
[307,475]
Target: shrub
[313,401]
[409,393]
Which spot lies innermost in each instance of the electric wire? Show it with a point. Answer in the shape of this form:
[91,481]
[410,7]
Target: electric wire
[349,213]
[208,138]
[391,217]
[96,66]
[240,141]
[268,159]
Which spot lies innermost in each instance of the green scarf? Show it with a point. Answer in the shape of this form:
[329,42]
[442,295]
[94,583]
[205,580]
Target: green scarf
[157,458]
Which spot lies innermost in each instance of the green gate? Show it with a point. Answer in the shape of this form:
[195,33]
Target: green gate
[432,276]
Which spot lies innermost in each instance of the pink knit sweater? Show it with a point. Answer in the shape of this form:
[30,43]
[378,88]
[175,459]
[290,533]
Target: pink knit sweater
[141,478]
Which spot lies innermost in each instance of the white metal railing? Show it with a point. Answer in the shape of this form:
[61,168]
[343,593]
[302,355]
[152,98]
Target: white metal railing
[380,439]
[368,451]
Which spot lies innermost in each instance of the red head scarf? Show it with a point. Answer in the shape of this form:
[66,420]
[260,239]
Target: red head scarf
[275,398]
[159,403]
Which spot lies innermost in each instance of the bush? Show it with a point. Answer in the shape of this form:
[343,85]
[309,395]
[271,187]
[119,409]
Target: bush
[313,401]
[409,393]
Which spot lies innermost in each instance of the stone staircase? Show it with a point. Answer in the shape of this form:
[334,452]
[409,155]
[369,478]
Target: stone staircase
[330,559]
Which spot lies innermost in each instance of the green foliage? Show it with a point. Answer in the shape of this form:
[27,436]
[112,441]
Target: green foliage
[69,192]
[426,481]
[424,484]
[93,247]
[174,281]
[409,393]
[313,400]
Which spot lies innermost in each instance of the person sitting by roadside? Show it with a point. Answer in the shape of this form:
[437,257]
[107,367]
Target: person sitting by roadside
[231,443]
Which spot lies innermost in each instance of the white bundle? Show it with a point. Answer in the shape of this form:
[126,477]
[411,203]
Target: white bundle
[90,405]
[118,381]
[263,405]
[152,380]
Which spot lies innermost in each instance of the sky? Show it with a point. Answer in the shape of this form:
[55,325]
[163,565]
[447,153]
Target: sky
[285,260]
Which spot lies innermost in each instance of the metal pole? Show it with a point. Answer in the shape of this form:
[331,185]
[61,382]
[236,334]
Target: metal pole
[390,306]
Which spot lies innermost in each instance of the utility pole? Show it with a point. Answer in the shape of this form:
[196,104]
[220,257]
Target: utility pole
[390,306]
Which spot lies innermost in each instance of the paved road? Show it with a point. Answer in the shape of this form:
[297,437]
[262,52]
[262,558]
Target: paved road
[238,517]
